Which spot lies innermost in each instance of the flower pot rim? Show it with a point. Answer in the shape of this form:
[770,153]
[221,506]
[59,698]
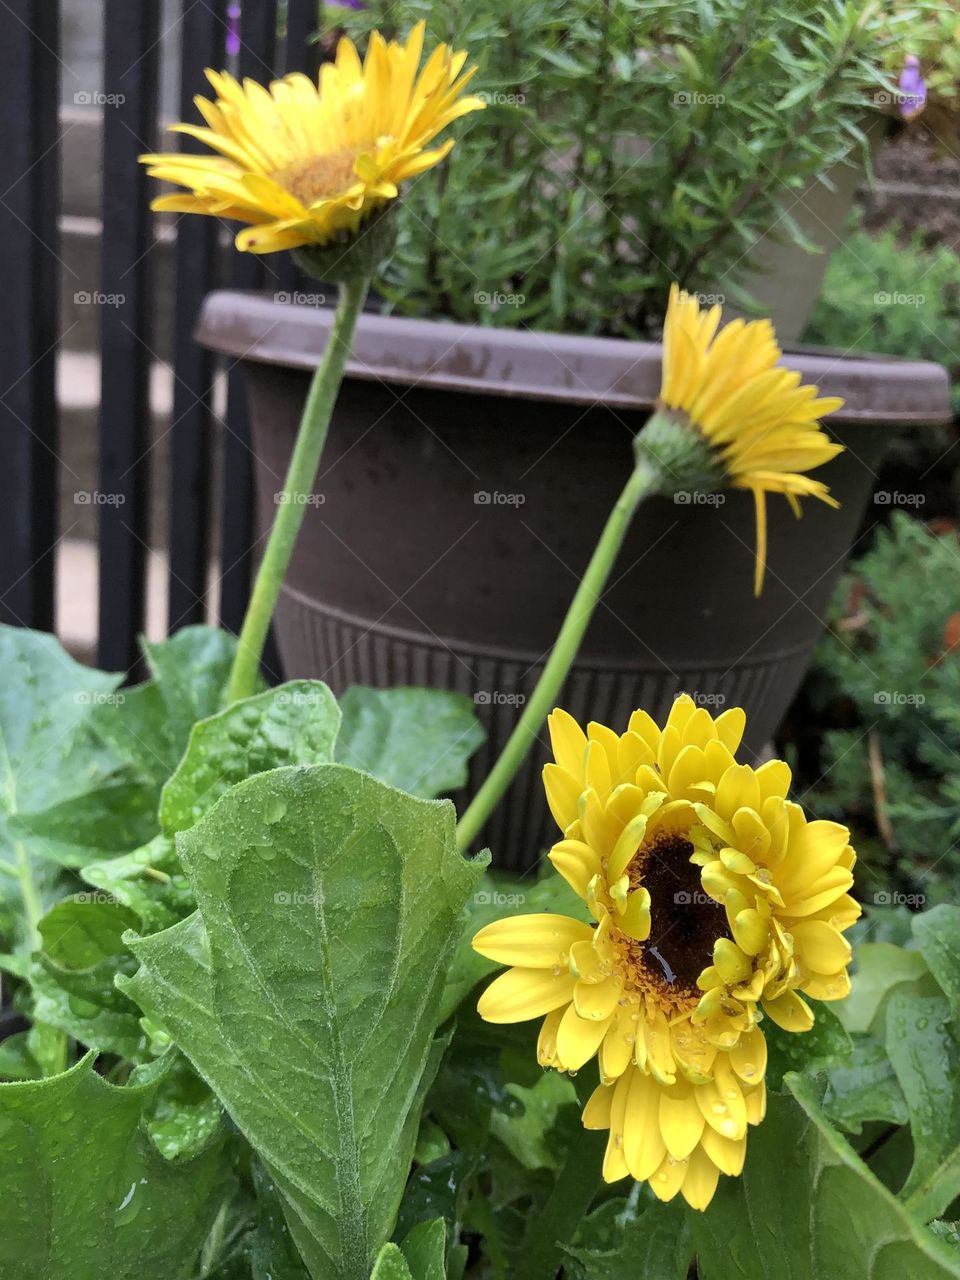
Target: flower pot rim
[526,364]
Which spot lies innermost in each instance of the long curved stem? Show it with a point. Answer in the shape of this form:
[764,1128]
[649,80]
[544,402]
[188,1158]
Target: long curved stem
[644,481]
[297,487]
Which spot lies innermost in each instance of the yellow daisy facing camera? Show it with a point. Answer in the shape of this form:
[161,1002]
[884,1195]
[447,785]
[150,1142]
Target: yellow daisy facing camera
[714,903]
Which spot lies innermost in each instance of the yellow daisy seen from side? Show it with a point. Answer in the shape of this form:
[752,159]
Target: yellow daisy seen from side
[762,426]
[714,904]
[305,163]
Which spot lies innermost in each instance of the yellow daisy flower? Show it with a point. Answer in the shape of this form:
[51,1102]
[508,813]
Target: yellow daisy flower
[305,163]
[714,903]
[762,426]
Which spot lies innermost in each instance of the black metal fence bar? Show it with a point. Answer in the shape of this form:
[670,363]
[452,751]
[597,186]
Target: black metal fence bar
[131,58]
[202,34]
[258,57]
[29,205]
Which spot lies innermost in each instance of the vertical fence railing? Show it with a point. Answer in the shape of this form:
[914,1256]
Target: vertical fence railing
[258,55]
[131,59]
[29,205]
[202,38]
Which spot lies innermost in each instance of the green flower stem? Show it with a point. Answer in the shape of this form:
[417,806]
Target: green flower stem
[32,906]
[645,480]
[297,486]
[573,1193]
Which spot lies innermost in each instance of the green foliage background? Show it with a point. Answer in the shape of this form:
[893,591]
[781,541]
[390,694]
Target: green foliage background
[625,145]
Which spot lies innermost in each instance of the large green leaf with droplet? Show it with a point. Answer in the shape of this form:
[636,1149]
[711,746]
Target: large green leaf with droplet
[295,723]
[937,933]
[881,967]
[864,1087]
[808,1208]
[924,1050]
[86,1194]
[417,739]
[306,988]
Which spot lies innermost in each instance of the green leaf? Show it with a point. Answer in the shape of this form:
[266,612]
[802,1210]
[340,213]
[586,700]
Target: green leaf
[937,932]
[825,1043]
[864,1088]
[390,1264]
[538,1136]
[880,968]
[416,739]
[807,1208]
[191,670]
[46,704]
[295,723]
[148,880]
[79,933]
[425,1250]
[183,1115]
[437,1190]
[16,1060]
[72,978]
[306,988]
[656,1243]
[923,1048]
[273,1255]
[86,1194]
[422,1256]
[96,1022]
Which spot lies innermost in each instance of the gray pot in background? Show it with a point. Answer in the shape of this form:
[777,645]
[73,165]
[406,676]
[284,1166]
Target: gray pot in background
[467,475]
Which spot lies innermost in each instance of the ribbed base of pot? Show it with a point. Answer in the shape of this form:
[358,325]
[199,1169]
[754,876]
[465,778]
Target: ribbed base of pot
[320,643]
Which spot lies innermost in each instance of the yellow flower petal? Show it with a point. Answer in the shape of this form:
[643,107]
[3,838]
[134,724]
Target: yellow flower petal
[681,1120]
[520,994]
[540,941]
[643,1144]
[820,946]
[596,1114]
[790,1012]
[700,1181]
[577,862]
[578,1039]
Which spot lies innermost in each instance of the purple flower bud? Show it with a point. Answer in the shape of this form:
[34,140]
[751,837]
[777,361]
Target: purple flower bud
[913,92]
[233,30]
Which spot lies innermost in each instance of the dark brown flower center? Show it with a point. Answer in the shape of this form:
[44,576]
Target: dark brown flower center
[685,921]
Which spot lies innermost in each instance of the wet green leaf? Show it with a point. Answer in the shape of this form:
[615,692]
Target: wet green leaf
[807,1208]
[416,739]
[937,932]
[306,988]
[826,1043]
[863,1088]
[656,1242]
[85,1192]
[924,1049]
[881,967]
[295,723]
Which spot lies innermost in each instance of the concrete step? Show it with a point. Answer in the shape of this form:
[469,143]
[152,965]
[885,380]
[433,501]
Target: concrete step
[81,298]
[78,394]
[77,573]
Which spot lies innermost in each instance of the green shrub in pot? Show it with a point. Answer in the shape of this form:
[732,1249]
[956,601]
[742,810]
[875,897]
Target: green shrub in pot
[627,145]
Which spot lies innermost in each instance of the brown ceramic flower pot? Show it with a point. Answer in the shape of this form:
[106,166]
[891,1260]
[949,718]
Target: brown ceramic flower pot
[466,478]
